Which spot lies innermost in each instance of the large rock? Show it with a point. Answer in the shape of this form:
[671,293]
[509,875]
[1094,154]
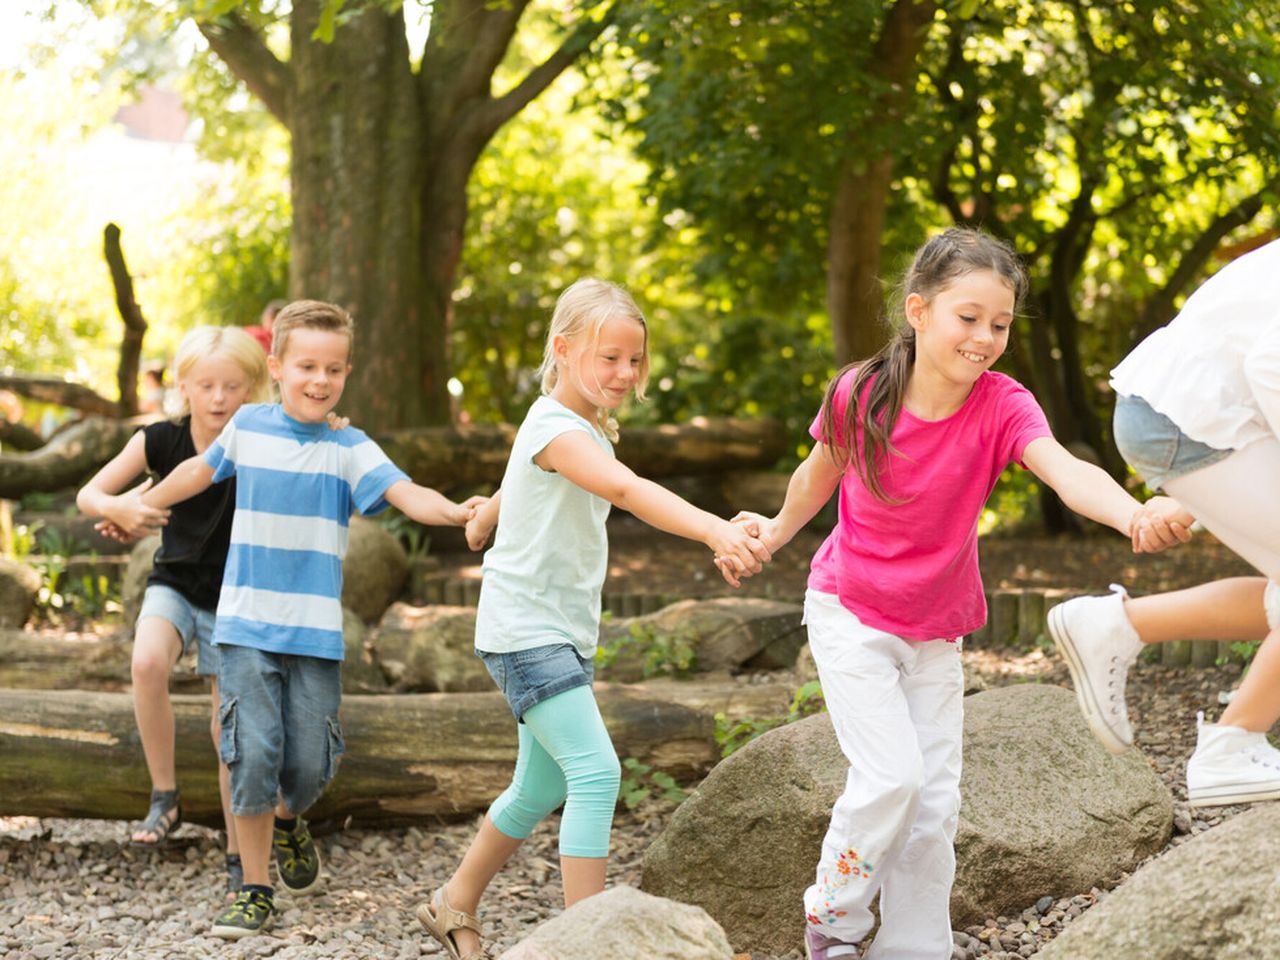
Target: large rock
[360,672]
[374,571]
[625,924]
[1215,897]
[1045,810]
[19,587]
[430,650]
[727,633]
[134,584]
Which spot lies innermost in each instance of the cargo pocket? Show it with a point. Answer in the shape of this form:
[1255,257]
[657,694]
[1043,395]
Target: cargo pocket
[228,744]
[335,748]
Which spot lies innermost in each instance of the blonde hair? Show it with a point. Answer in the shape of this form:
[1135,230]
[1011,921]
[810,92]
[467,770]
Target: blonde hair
[229,342]
[311,315]
[581,312]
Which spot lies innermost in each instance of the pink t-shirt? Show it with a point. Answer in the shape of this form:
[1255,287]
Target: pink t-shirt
[911,568]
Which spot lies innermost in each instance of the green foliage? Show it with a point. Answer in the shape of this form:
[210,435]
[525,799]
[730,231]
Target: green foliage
[661,654]
[412,535]
[733,735]
[85,596]
[640,782]
[1243,651]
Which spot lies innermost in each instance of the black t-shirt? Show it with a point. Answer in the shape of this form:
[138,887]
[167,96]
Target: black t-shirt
[193,545]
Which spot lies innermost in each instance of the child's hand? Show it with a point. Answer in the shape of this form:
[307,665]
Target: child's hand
[131,516]
[738,553]
[336,422]
[112,532]
[1158,524]
[758,525]
[478,533]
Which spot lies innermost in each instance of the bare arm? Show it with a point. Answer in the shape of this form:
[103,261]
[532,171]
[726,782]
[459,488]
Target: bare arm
[576,457]
[1090,492]
[188,478]
[101,496]
[429,506]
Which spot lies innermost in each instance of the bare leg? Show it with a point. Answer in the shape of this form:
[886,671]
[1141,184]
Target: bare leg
[488,852]
[156,648]
[1255,706]
[583,877]
[1222,610]
[255,847]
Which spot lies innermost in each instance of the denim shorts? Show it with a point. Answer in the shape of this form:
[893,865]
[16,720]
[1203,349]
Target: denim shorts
[1153,445]
[527,677]
[191,622]
[280,731]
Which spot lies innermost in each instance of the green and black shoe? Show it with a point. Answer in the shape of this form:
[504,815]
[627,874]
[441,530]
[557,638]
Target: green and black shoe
[297,860]
[250,913]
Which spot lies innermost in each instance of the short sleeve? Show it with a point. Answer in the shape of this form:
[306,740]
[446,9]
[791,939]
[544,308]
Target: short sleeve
[221,454]
[841,401]
[370,474]
[550,423]
[1021,422]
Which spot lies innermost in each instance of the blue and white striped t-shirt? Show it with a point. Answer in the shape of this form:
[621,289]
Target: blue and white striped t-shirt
[297,485]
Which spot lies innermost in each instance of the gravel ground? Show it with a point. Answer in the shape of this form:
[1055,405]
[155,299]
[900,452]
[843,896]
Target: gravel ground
[69,888]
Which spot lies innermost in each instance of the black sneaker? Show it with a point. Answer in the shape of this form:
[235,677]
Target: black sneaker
[235,875]
[297,860]
[249,914]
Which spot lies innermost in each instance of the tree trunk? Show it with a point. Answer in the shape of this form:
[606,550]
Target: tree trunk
[56,390]
[134,326]
[465,456]
[66,460]
[409,758]
[862,193]
[357,184]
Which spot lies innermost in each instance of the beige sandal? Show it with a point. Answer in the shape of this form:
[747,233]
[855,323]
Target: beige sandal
[441,920]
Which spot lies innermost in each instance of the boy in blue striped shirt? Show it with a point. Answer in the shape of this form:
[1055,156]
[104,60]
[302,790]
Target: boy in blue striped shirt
[279,617]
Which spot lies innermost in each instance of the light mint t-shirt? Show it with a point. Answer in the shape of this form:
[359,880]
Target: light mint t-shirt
[543,574]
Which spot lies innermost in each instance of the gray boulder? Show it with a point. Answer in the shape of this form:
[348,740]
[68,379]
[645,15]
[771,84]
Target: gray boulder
[374,571]
[430,650]
[726,633]
[624,924]
[1215,897]
[1045,810]
[19,587]
[134,584]
[360,672]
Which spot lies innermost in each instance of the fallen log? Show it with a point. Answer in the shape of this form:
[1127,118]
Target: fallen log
[409,758]
[32,662]
[476,455]
[59,391]
[18,436]
[66,460]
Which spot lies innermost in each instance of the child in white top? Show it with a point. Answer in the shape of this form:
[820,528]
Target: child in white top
[1198,414]
[539,613]
[914,439]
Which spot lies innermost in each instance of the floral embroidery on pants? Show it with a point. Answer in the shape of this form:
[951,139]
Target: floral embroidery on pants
[848,867]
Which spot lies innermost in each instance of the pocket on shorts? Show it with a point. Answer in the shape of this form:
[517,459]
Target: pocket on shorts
[228,745]
[335,747]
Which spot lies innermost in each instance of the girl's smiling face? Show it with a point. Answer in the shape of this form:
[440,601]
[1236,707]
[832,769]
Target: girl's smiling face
[964,329]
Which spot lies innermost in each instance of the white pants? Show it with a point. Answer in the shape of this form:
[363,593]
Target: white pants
[897,708]
[1238,500]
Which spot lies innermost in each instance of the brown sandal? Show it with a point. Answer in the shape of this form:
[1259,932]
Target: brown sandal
[440,920]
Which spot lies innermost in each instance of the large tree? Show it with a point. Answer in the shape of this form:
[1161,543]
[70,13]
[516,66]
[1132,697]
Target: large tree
[382,149]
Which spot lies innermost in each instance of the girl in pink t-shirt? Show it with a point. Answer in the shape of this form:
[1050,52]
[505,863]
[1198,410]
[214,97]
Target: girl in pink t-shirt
[896,584]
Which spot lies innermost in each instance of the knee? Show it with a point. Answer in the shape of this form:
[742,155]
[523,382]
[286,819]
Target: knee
[599,776]
[149,670]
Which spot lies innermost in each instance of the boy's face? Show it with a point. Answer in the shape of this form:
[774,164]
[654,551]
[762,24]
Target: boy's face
[312,373]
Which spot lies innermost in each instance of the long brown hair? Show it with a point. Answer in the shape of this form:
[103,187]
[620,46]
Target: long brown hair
[944,259]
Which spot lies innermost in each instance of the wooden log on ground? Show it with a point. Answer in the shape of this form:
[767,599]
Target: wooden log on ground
[32,662]
[66,460]
[476,454]
[59,391]
[409,758]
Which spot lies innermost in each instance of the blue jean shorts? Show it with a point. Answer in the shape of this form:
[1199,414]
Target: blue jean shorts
[527,677]
[281,737]
[1153,444]
[191,622]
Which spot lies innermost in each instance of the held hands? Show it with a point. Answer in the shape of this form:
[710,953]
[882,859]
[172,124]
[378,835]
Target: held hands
[478,532]
[465,512]
[739,553]
[127,518]
[1158,524]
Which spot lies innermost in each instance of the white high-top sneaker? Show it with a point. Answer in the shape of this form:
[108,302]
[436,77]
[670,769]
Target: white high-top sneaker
[1231,765]
[1099,644]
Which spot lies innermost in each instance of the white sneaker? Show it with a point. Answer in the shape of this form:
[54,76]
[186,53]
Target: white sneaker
[1231,765]
[1099,644]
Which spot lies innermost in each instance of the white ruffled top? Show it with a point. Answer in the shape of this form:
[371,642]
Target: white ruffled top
[1214,370]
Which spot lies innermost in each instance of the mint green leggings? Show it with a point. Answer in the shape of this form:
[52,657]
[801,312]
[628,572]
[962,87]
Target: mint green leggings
[566,757]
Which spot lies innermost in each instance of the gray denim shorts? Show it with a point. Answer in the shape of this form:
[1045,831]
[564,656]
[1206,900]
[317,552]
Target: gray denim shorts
[527,677]
[191,622]
[1153,444]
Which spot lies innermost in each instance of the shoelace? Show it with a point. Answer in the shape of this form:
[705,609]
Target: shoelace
[247,904]
[294,846]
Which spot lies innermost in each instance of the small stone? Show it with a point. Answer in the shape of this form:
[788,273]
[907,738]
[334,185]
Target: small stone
[1043,905]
